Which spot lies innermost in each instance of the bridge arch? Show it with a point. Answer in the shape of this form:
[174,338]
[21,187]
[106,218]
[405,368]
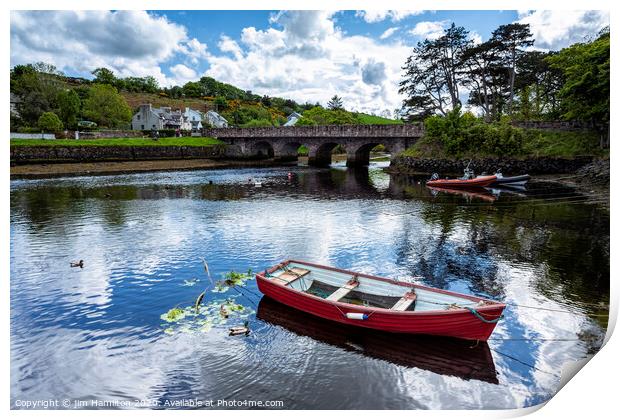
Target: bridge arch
[360,155]
[321,155]
[262,150]
[288,151]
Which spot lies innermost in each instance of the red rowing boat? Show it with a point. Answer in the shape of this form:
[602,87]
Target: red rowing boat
[379,303]
[480,181]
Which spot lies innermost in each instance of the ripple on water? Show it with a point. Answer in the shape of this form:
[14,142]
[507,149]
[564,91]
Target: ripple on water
[96,332]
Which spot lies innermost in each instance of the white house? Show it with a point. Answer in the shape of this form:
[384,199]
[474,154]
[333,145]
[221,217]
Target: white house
[194,117]
[216,120]
[149,118]
[292,119]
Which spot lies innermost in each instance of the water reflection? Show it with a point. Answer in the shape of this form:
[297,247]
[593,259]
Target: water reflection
[97,331]
[444,356]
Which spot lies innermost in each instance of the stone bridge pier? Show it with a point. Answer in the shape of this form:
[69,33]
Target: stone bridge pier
[282,143]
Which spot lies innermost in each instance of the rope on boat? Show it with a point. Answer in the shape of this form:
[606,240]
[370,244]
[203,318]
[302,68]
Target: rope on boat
[246,296]
[483,319]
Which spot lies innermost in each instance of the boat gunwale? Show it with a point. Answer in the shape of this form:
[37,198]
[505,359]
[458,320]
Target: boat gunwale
[491,304]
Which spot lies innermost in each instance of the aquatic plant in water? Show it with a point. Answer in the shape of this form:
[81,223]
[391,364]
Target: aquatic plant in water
[173,315]
[202,316]
[232,279]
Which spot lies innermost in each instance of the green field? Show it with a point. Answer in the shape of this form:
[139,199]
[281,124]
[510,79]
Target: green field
[373,119]
[120,142]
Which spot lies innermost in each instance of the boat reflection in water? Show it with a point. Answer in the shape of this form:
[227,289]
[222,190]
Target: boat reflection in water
[441,355]
[469,192]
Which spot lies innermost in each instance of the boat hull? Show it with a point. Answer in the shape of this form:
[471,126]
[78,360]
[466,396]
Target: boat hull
[460,323]
[508,181]
[481,181]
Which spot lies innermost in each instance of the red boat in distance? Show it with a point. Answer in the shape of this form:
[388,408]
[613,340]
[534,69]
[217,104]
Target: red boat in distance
[379,303]
[479,181]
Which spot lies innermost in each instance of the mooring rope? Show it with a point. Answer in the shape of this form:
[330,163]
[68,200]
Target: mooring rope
[483,319]
[524,363]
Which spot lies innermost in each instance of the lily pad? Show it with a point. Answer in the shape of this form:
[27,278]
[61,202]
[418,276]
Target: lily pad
[173,315]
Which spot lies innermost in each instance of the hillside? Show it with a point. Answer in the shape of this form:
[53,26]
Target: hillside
[109,101]
[135,99]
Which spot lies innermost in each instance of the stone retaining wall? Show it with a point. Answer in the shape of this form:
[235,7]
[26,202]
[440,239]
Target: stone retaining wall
[554,125]
[57,154]
[509,166]
[33,136]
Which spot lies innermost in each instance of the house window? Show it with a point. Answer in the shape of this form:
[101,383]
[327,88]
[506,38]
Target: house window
[142,126]
[138,117]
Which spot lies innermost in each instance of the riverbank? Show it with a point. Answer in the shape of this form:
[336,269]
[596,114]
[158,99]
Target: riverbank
[44,170]
[509,166]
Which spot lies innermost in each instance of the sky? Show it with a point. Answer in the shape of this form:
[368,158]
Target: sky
[307,56]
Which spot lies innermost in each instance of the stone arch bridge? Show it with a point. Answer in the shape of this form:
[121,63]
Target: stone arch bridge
[281,143]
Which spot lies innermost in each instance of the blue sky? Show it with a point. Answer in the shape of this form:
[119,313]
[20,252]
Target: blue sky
[304,55]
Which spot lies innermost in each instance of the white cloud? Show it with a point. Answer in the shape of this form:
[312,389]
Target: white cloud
[130,43]
[182,73]
[227,44]
[389,32]
[305,57]
[302,55]
[372,16]
[557,29]
[430,30]
[194,50]
[475,37]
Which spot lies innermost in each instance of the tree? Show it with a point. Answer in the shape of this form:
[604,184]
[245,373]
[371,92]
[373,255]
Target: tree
[106,107]
[220,103]
[486,78]
[538,85]
[512,38]
[433,74]
[38,92]
[335,103]
[48,121]
[69,107]
[585,92]
[192,90]
[104,76]
[266,101]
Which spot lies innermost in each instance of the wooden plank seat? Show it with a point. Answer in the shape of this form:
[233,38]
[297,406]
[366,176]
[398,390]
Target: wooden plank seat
[405,302]
[344,290]
[291,275]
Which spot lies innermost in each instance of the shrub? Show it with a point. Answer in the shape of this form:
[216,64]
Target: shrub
[257,123]
[465,134]
[48,121]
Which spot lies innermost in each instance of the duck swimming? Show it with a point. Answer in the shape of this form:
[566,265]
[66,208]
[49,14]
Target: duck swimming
[78,264]
[240,330]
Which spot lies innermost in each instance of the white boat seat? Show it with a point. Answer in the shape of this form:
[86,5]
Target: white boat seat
[344,290]
[291,275]
[405,302]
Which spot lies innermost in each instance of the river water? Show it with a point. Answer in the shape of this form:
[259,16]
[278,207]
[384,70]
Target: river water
[95,335]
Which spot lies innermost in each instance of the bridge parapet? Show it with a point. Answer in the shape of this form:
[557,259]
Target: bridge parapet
[325,131]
